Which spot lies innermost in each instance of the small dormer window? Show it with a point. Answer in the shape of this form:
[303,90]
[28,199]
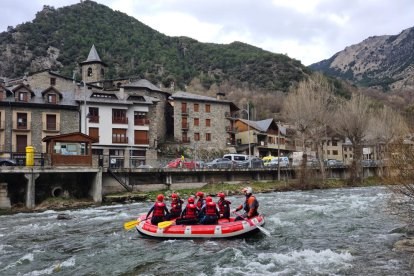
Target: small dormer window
[52,81]
[51,98]
[89,72]
[23,97]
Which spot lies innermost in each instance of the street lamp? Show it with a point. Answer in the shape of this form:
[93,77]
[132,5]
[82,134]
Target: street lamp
[248,131]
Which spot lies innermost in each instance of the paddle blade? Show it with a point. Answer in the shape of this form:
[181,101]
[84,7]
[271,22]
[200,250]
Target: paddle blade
[165,224]
[131,224]
[265,231]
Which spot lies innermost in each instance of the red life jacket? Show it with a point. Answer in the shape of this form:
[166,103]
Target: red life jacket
[159,208]
[211,209]
[200,203]
[191,211]
[176,206]
[224,205]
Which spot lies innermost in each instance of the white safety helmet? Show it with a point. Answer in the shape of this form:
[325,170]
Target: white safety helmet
[247,190]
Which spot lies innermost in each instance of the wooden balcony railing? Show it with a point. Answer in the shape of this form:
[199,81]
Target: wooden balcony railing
[120,120]
[120,140]
[141,122]
[93,119]
[231,129]
[185,111]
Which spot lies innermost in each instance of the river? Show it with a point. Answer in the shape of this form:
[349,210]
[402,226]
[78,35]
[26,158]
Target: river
[320,232]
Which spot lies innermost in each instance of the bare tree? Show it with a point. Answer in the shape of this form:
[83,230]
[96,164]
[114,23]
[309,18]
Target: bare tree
[386,126]
[309,107]
[352,119]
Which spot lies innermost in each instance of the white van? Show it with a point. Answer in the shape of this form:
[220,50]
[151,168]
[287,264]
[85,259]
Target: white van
[236,157]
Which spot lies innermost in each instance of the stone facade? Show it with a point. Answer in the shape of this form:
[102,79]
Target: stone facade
[187,123]
[45,79]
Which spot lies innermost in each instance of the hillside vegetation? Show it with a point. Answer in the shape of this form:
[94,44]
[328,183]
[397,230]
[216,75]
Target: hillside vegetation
[61,38]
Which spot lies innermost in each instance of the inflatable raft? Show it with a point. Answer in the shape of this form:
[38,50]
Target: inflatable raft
[224,229]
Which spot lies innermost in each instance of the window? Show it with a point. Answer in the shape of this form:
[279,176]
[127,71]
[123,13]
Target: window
[141,137]
[335,152]
[119,116]
[184,108]
[140,118]
[23,97]
[196,136]
[119,136]
[346,156]
[208,108]
[196,107]
[335,143]
[328,152]
[93,115]
[196,121]
[102,72]
[89,72]
[51,98]
[51,122]
[52,81]
[208,122]
[94,132]
[208,136]
[22,120]
[329,142]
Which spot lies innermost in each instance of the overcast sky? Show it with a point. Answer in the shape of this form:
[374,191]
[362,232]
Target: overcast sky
[307,30]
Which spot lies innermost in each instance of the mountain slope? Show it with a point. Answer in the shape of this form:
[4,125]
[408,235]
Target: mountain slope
[380,61]
[61,38]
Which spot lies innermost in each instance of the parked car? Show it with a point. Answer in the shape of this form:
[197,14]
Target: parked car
[254,161]
[368,163]
[220,163]
[284,162]
[7,162]
[332,163]
[177,163]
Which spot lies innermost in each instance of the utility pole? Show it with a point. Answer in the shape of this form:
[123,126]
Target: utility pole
[248,130]
[278,152]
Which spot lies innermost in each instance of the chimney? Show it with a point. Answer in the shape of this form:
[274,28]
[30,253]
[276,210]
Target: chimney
[220,95]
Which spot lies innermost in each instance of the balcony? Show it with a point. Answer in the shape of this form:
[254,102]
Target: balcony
[141,141]
[120,120]
[21,126]
[185,126]
[51,127]
[120,140]
[185,111]
[230,129]
[186,140]
[232,115]
[93,119]
[141,122]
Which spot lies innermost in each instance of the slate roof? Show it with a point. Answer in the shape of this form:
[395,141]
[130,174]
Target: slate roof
[263,125]
[93,55]
[196,97]
[142,83]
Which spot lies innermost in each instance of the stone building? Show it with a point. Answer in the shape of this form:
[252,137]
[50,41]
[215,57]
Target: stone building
[29,114]
[200,121]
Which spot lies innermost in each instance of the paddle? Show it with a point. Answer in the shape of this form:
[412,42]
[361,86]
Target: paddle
[131,224]
[266,232]
[165,224]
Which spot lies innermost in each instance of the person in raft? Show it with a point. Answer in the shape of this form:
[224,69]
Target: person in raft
[189,214]
[224,206]
[176,207]
[210,211]
[250,205]
[201,202]
[159,210]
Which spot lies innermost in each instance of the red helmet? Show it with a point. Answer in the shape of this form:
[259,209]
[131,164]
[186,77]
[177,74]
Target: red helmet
[200,194]
[160,197]
[209,199]
[174,196]
[222,195]
[191,200]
